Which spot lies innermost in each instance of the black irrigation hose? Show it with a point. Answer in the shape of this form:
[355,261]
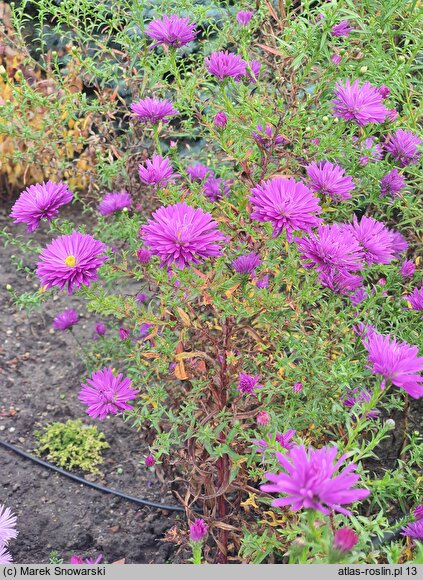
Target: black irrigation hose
[145,502]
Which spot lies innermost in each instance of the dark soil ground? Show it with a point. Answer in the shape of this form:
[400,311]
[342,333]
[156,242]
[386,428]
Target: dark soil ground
[40,375]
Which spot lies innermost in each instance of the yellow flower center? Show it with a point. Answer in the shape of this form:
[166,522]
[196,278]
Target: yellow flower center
[70,261]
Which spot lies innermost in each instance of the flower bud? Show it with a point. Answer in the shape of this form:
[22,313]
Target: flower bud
[198,530]
[220,120]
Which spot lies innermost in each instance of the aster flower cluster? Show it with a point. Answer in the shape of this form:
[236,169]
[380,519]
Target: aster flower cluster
[7,532]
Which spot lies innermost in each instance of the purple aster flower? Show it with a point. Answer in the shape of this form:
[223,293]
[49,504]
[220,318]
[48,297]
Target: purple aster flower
[263,282]
[65,319]
[308,482]
[284,439]
[266,137]
[415,299]
[40,202]
[397,362]
[247,263]
[358,296]
[362,105]
[113,202]
[220,120]
[247,384]
[253,71]
[157,171]
[371,150]
[199,172]
[413,530]
[180,234]
[391,184]
[263,418]
[141,297]
[336,59]
[285,203]
[333,248]
[123,333]
[418,512]
[100,329]
[342,29]
[399,243]
[297,387]
[7,525]
[244,17]
[407,269]
[342,282]
[5,557]
[384,91]
[374,238]
[261,445]
[402,145]
[145,329]
[71,260]
[150,461]
[215,188]
[78,560]
[328,179]
[143,255]
[171,31]
[359,397]
[153,110]
[224,64]
[106,393]
[345,539]
[198,530]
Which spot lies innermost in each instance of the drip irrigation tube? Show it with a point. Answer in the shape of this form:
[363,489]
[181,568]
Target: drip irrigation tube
[145,502]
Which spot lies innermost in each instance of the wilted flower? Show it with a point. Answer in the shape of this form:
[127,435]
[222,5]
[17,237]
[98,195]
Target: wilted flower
[403,146]
[285,203]
[106,393]
[263,282]
[113,202]
[224,64]
[362,105]
[157,171]
[78,560]
[143,255]
[71,260]
[247,263]
[65,319]
[171,30]
[407,269]
[214,188]
[40,202]
[358,296]
[247,384]
[263,418]
[359,397]
[374,238]
[198,530]
[371,150]
[308,481]
[123,333]
[345,539]
[7,525]
[328,179]
[244,17]
[384,91]
[415,299]
[266,137]
[150,461]
[182,235]
[413,530]
[391,184]
[342,29]
[397,362]
[153,110]
[336,59]
[220,120]
[199,172]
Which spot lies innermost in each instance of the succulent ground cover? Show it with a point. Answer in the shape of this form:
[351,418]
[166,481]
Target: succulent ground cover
[250,250]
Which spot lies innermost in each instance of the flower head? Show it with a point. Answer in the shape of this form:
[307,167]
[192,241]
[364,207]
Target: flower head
[198,530]
[413,530]
[391,184]
[285,203]
[78,560]
[224,64]
[182,235]
[309,481]
[345,539]
[153,110]
[143,255]
[403,146]
[358,397]
[247,263]
[149,461]
[65,319]
[106,393]
[284,439]
[328,179]
[407,268]
[374,238]
[297,387]
[7,525]
[71,260]
[358,296]
[157,171]
[362,105]
[220,120]
[199,172]
[415,299]
[263,282]
[247,384]
[336,59]
[40,202]
[267,137]
[263,418]
[397,362]
[341,282]
[214,188]
[333,248]
[113,202]
[123,333]
[171,30]
[244,17]
[252,71]
[384,91]
[418,512]
[371,151]
[100,329]
[342,29]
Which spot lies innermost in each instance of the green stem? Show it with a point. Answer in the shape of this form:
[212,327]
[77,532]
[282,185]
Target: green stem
[196,552]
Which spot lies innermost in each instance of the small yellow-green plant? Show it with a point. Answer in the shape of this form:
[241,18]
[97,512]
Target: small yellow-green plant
[72,444]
